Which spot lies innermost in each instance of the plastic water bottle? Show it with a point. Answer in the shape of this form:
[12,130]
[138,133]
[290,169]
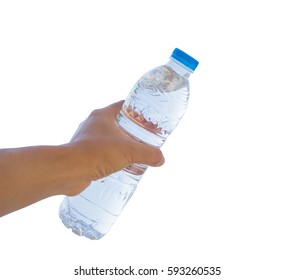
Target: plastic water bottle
[149,114]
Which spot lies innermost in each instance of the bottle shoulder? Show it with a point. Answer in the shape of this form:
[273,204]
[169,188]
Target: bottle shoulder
[163,78]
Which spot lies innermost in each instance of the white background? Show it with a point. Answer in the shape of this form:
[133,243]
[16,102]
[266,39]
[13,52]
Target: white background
[224,196]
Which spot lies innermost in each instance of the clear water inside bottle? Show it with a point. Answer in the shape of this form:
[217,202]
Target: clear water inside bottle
[150,113]
[155,105]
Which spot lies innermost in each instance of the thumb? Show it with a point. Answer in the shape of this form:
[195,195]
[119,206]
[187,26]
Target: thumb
[146,154]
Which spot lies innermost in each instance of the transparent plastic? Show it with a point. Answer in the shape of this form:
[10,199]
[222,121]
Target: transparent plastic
[149,114]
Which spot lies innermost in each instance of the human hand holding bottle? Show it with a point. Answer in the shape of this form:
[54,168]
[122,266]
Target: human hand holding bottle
[108,148]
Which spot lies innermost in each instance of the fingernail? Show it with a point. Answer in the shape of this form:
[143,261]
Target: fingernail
[161,162]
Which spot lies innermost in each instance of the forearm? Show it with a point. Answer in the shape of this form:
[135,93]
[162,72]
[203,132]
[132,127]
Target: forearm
[31,174]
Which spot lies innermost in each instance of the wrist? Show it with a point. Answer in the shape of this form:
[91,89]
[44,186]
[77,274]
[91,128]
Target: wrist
[78,172]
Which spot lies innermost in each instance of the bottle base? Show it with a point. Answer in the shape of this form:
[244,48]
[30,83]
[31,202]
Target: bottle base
[70,219]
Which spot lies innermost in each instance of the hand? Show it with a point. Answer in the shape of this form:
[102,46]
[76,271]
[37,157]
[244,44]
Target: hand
[108,148]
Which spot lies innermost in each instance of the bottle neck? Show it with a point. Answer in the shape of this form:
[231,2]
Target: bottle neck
[180,68]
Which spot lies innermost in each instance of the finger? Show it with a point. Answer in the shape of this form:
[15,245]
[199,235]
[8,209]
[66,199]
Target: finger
[110,111]
[114,108]
[143,153]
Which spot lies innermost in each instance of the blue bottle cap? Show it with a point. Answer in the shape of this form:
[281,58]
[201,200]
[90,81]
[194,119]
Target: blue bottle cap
[185,59]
